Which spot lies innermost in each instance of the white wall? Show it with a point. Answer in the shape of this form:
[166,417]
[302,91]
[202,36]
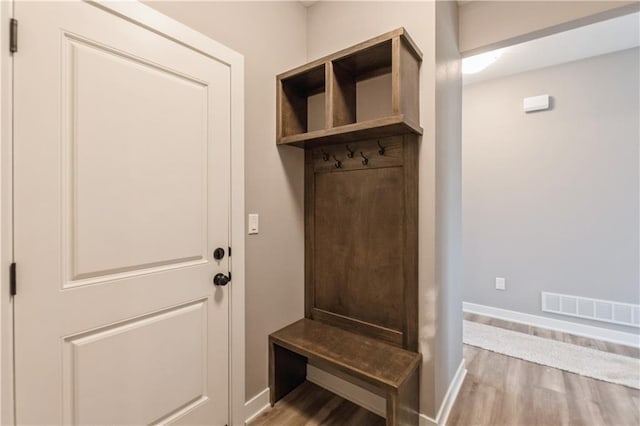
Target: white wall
[448,125]
[335,25]
[272,38]
[551,199]
[487,25]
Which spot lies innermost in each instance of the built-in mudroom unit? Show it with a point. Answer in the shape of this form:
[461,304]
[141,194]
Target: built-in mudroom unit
[356,115]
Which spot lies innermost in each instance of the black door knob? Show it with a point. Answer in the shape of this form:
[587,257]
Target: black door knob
[221,279]
[218,253]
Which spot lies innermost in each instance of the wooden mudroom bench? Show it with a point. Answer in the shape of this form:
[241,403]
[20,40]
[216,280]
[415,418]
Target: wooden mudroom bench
[384,369]
[361,221]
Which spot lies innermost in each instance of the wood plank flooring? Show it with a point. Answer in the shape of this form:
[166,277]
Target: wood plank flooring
[311,405]
[498,390]
[501,390]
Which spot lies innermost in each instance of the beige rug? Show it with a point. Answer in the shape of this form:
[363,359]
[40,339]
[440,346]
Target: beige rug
[588,362]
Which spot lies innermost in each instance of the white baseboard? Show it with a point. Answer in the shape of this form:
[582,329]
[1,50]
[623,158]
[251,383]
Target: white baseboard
[377,404]
[449,399]
[599,333]
[427,421]
[353,393]
[256,406]
[452,394]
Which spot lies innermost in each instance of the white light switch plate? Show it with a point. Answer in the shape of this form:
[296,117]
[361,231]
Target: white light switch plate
[501,284]
[253,223]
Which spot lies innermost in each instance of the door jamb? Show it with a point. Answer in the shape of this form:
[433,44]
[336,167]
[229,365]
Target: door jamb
[6,216]
[155,21]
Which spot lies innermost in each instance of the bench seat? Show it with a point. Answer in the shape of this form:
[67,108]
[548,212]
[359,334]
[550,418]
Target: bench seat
[387,370]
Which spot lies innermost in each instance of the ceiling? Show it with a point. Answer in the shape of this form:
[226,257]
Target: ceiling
[584,42]
[309,3]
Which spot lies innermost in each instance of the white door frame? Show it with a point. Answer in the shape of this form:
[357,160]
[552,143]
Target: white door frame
[153,20]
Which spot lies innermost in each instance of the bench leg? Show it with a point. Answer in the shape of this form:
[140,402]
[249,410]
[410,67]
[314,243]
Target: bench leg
[403,407]
[287,370]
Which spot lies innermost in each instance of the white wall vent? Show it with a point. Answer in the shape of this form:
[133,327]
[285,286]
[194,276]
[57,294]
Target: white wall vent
[593,309]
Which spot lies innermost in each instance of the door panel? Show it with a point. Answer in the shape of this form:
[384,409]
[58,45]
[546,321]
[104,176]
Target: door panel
[121,186]
[102,359]
[142,149]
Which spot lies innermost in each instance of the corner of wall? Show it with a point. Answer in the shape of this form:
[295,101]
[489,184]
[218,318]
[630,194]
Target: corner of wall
[448,116]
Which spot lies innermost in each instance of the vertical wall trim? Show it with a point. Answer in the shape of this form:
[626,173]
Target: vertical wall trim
[7,411]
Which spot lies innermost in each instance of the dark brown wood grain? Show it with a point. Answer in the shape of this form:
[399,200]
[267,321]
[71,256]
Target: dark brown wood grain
[293,100]
[309,82]
[395,76]
[410,239]
[309,232]
[371,360]
[393,155]
[389,335]
[384,369]
[407,405]
[383,38]
[376,128]
[293,111]
[361,227]
[368,63]
[409,83]
[337,75]
[287,370]
[342,104]
[361,238]
[359,270]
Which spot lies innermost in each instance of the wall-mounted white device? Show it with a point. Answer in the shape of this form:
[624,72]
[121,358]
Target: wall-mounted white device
[535,103]
[253,224]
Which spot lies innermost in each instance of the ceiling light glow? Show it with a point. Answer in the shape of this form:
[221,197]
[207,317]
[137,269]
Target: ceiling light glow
[477,63]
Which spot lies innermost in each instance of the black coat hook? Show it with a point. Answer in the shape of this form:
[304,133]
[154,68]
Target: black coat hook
[325,155]
[349,152]
[338,163]
[381,150]
[365,160]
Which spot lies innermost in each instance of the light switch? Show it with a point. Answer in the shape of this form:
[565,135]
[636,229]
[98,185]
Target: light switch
[253,223]
[501,284]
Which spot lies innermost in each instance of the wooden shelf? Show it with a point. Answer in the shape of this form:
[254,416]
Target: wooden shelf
[387,126]
[338,77]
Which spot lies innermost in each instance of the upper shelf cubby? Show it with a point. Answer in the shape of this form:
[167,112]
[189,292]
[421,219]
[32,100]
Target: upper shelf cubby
[296,92]
[366,91]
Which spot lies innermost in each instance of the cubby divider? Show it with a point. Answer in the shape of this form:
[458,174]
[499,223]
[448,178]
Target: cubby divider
[340,76]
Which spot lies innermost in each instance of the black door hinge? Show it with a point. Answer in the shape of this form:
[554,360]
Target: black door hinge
[229,275]
[229,251]
[13,35]
[12,279]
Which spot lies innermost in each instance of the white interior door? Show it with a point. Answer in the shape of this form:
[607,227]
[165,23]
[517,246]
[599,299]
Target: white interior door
[121,196]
